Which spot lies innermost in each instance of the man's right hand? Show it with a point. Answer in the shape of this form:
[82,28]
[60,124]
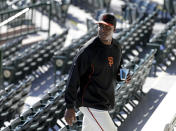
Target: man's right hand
[70,116]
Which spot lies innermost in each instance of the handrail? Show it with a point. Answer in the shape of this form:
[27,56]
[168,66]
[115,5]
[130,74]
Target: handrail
[1,70]
[21,8]
[32,24]
[14,17]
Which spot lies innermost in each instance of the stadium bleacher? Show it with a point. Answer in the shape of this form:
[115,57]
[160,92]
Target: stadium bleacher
[12,99]
[29,60]
[49,60]
[165,43]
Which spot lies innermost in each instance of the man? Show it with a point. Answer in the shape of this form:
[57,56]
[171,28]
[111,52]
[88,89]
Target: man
[91,79]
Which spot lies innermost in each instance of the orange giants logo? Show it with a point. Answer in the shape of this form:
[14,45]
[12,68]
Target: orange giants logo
[110,60]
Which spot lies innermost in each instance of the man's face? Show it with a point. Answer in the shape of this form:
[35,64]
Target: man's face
[105,32]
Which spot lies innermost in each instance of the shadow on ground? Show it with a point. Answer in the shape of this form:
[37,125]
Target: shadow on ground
[141,114]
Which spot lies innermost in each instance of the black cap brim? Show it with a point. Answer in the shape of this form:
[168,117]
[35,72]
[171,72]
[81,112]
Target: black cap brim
[103,22]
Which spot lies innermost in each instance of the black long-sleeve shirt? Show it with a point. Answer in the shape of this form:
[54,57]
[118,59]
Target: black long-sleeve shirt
[92,76]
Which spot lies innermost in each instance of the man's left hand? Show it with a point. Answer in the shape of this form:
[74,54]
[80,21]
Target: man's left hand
[128,78]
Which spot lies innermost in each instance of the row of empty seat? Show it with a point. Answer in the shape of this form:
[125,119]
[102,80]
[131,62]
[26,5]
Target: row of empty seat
[43,114]
[135,38]
[165,43]
[12,98]
[10,48]
[29,60]
[137,8]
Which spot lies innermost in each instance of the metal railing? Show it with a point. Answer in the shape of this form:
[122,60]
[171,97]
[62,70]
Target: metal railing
[23,21]
[1,70]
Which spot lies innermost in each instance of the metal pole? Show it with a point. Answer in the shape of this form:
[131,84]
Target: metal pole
[55,73]
[1,81]
[49,26]
[14,17]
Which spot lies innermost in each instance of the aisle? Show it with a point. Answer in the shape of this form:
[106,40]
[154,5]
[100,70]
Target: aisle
[157,89]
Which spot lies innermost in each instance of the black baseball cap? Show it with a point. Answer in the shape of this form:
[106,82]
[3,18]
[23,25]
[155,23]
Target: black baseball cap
[107,19]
